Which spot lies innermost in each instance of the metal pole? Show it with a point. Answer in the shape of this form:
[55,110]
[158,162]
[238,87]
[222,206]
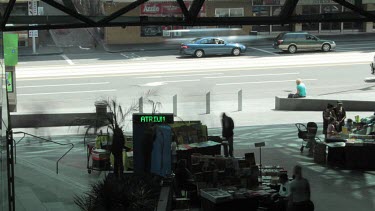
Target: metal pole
[260,164]
[140,105]
[175,105]
[34,12]
[34,44]
[240,100]
[208,99]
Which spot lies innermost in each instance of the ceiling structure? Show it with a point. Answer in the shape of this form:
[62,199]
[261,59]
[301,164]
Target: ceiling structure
[74,19]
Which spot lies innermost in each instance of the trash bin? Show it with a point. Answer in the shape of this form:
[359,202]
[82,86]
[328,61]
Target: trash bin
[101,109]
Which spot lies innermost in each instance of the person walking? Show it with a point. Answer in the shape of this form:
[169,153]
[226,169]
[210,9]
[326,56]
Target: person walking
[299,197]
[301,90]
[340,114]
[228,126]
[117,147]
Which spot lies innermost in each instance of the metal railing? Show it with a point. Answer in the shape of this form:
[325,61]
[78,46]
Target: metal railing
[44,139]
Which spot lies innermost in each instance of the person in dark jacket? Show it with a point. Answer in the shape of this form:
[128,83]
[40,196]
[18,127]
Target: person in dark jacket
[117,150]
[340,114]
[147,144]
[228,126]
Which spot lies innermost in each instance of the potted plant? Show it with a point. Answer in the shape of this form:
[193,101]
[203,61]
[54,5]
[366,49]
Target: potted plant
[125,193]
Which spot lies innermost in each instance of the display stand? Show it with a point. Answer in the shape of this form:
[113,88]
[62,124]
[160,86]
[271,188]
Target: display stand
[260,145]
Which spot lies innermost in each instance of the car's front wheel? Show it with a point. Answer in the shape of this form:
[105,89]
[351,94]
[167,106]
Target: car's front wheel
[326,47]
[292,49]
[236,52]
[199,53]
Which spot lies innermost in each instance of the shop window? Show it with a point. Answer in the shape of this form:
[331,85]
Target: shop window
[279,28]
[331,9]
[310,10]
[352,26]
[261,11]
[229,12]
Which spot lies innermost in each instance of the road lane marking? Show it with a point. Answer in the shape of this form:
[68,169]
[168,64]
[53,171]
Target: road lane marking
[269,52]
[161,83]
[56,85]
[174,71]
[75,92]
[124,55]
[175,76]
[262,82]
[240,76]
[67,59]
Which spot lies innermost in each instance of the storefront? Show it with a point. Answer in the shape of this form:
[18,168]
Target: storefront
[310,7]
[170,8]
[227,8]
[266,8]
[307,7]
[146,34]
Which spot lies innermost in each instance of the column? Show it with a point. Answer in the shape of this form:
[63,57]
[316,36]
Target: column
[298,26]
[368,26]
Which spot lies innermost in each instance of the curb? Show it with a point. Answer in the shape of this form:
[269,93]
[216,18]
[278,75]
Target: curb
[42,54]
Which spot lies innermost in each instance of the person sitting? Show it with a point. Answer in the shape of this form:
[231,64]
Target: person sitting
[301,90]
[331,129]
[349,125]
[280,199]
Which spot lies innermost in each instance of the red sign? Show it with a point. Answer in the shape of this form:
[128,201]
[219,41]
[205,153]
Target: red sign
[165,9]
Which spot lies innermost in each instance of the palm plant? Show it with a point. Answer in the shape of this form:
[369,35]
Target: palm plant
[128,192]
[150,98]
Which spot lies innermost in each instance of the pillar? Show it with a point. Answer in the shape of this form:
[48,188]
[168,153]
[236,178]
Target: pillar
[368,26]
[297,26]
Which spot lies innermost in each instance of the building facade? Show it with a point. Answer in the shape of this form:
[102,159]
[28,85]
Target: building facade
[230,8]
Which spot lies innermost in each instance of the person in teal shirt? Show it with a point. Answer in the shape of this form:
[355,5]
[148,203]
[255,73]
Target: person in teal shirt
[301,90]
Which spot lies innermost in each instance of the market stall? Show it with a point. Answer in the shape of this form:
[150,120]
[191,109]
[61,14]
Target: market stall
[353,149]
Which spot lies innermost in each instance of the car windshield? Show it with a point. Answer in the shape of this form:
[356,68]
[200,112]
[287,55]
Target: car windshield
[195,40]
[279,36]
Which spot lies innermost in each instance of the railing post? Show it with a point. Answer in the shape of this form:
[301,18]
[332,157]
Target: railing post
[208,101]
[240,100]
[175,105]
[140,105]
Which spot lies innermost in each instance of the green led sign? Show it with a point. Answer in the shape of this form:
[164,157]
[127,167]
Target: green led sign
[153,118]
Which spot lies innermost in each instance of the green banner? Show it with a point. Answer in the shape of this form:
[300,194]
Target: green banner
[10,49]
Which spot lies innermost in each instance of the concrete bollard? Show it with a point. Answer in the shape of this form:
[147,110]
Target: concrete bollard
[208,101]
[240,100]
[140,103]
[175,105]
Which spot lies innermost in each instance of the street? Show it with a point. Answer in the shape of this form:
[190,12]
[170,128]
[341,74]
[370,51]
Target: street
[73,82]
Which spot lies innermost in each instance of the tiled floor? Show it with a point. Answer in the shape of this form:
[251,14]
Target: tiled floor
[38,185]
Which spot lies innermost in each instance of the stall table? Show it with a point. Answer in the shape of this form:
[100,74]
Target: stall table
[352,154]
[184,151]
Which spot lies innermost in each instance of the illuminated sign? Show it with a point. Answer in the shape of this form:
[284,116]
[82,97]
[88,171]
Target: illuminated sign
[153,118]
